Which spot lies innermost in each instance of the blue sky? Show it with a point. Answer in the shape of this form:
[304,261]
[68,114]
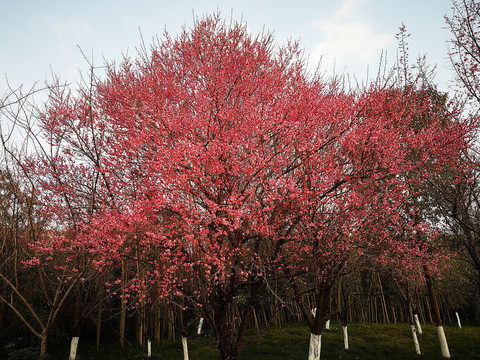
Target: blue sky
[41,37]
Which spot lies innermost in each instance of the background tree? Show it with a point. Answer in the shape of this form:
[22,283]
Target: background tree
[365,216]
[456,189]
[38,272]
[23,227]
[464,23]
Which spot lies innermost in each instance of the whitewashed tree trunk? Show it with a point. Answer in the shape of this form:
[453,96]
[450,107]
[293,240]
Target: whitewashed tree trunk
[419,327]
[315,347]
[327,324]
[185,348]
[149,348]
[73,348]
[200,324]
[313,311]
[458,320]
[443,342]
[415,340]
[345,337]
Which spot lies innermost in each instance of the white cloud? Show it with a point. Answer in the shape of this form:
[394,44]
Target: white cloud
[347,38]
[349,8]
[73,28]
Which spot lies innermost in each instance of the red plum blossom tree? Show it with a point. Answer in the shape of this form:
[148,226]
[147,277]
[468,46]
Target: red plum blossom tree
[217,163]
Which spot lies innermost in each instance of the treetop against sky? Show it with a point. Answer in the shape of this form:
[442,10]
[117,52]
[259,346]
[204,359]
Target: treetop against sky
[350,35]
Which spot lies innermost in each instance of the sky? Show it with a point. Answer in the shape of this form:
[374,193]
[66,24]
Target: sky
[42,38]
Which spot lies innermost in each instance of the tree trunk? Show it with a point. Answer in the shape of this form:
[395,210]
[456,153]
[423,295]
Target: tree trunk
[315,347]
[255,320]
[222,333]
[345,337]
[43,343]
[415,340]
[182,328]
[343,317]
[200,324]
[185,347]
[73,348]
[149,348]
[317,318]
[412,326]
[158,326]
[436,315]
[123,318]
[458,320]
[443,342]
[140,326]
[77,312]
[417,322]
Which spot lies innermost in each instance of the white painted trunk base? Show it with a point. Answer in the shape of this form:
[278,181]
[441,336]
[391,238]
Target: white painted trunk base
[200,324]
[443,342]
[73,348]
[458,320]
[315,347]
[185,348]
[149,348]
[419,327]
[345,337]
[327,324]
[415,340]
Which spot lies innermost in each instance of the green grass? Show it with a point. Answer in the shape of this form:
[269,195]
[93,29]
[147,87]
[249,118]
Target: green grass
[367,341]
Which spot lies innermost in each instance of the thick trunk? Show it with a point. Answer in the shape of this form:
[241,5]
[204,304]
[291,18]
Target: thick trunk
[315,347]
[230,340]
[345,337]
[318,317]
[436,315]
[223,332]
[230,332]
[73,348]
[415,339]
[228,346]
[443,342]
[433,300]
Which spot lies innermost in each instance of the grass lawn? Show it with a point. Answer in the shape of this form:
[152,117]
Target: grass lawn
[367,341]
